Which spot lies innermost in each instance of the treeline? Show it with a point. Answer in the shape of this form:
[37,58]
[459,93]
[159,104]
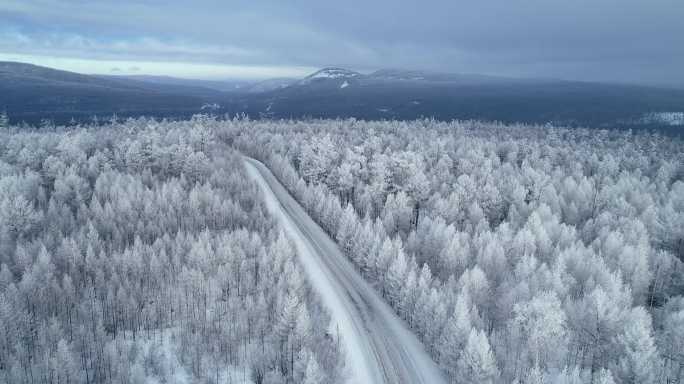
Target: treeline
[139,252]
[516,253]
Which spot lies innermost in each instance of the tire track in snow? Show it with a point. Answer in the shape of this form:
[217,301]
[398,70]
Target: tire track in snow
[378,345]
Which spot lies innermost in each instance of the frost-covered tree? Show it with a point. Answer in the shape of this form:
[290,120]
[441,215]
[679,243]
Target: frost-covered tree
[476,363]
[541,328]
[313,373]
[4,120]
[455,336]
[638,360]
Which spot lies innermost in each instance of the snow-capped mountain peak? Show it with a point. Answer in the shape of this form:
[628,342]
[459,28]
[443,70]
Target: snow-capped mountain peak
[330,73]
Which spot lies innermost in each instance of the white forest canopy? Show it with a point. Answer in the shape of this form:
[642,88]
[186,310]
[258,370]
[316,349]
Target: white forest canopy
[516,253]
[139,251]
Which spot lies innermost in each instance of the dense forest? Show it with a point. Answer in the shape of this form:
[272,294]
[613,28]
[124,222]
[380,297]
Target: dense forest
[521,254]
[138,252]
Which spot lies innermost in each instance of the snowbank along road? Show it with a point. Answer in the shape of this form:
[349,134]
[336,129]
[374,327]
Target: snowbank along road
[378,345]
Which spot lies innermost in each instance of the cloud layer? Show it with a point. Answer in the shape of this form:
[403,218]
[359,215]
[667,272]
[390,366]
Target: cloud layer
[609,40]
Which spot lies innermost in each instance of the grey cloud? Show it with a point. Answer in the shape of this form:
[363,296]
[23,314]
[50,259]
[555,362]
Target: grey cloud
[611,40]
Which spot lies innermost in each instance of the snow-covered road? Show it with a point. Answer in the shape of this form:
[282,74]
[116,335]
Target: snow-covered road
[379,346]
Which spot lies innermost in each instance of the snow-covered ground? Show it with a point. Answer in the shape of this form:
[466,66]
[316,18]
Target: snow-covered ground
[158,360]
[379,346]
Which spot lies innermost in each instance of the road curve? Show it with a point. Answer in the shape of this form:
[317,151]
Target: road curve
[379,347]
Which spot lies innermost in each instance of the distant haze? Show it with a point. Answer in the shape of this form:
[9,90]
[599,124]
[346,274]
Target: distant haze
[633,41]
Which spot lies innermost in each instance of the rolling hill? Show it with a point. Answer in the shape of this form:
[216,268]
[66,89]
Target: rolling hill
[30,93]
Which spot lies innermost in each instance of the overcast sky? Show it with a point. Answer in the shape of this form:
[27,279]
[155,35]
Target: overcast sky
[639,41]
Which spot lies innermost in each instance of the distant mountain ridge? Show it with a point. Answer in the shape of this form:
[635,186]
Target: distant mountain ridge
[228,86]
[407,94]
[413,75]
[215,85]
[30,93]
